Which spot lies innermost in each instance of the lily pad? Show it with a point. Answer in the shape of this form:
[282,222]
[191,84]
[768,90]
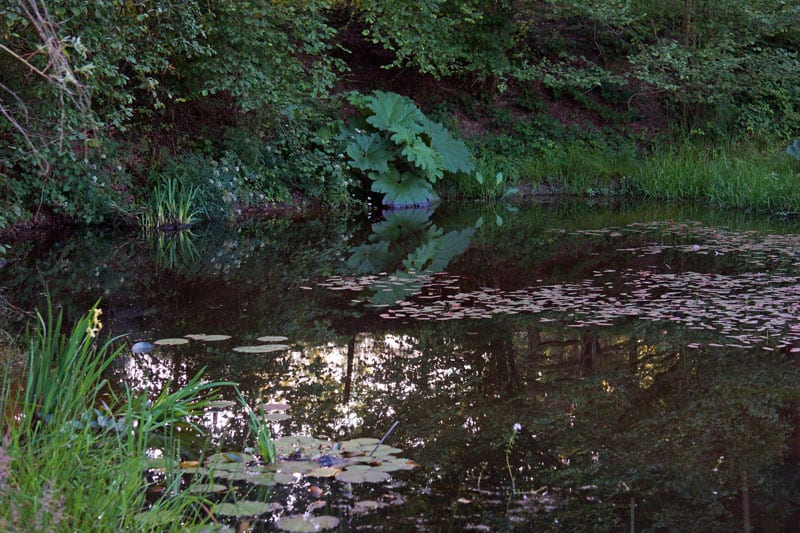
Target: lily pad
[242,508]
[230,457]
[355,443]
[290,444]
[171,342]
[324,472]
[363,476]
[296,466]
[203,488]
[392,464]
[207,338]
[303,523]
[272,338]
[211,528]
[380,450]
[261,348]
[284,478]
[266,480]
[194,471]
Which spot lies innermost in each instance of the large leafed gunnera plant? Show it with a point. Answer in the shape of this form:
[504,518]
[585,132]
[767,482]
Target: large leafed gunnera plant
[401,150]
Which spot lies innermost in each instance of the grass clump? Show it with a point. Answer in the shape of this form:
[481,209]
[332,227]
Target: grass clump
[171,206]
[73,454]
[732,175]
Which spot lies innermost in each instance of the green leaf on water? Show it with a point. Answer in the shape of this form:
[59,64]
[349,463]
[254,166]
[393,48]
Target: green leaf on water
[262,348]
[272,338]
[363,476]
[284,478]
[220,404]
[171,342]
[355,443]
[207,338]
[327,471]
[230,457]
[203,488]
[242,508]
[303,523]
[380,450]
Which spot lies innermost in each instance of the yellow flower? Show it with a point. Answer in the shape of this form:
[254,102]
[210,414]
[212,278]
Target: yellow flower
[95,325]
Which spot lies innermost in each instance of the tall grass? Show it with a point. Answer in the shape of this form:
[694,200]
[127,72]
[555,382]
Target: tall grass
[733,175]
[728,174]
[74,452]
[171,206]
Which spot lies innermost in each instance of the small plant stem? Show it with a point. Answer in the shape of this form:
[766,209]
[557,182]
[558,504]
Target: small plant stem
[384,438]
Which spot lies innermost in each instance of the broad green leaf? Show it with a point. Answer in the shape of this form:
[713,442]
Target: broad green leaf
[370,152]
[230,457]
[403,189]
[425,158]
[395,113]
[454,153]
[274,406]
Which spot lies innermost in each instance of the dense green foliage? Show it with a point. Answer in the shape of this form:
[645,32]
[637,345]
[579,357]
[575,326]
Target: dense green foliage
[98,98]
[402,151]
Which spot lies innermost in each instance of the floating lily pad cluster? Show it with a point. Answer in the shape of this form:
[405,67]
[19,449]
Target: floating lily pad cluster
[269,343]
[304,462]
[749,309]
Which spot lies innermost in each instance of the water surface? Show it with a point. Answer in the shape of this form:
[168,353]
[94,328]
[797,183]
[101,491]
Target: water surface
[564,366]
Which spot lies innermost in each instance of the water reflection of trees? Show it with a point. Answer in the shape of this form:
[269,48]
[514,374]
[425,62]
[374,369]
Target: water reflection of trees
[682,434]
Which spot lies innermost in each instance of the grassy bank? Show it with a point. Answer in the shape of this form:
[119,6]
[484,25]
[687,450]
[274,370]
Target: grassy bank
[74,452]
[759,177]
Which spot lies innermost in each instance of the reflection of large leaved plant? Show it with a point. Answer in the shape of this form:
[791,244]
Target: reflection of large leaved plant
[401,150]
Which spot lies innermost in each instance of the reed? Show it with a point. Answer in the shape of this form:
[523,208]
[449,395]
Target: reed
[171,206]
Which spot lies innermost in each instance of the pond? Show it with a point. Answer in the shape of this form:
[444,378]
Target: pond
[562,366]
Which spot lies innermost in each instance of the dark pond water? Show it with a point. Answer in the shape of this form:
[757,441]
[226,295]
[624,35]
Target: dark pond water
[561,367]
